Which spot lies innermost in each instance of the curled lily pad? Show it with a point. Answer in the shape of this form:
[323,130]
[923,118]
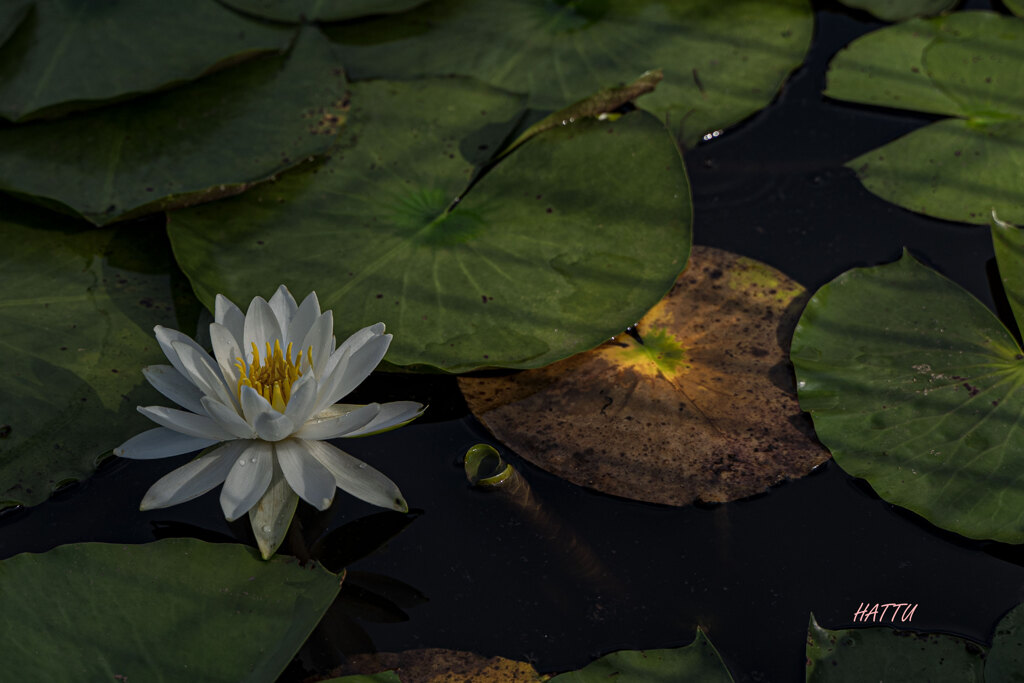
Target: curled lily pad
[319,10]
[964,65]
[722,61]
[486,468]
[915,386]
[698,662]
[212,138]
[562,242]
[700,406]
[76,319]
[900,10]
[880,653]
[73,54]
[173,610]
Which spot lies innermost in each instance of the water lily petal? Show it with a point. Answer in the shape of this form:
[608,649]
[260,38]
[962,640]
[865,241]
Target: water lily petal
[228,419]
[194,479]
[302,321]
[185,422]
[160,443]
[201,371]
[271,516]
[348,375]
[305,474]
[357,478]
[273,426]
[284,307]
[391,415]
[253,405]
[230,316]
[175,386]
[331,427]
[318,338]
[167,338]
[227,352]
[303,399]
[355,342]
[261,326]
[248,479]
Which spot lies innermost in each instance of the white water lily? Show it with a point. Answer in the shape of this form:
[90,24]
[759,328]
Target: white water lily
[268,397]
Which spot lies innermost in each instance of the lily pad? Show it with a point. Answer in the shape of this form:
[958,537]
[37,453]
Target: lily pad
[703,409]
[213,138]
[561,243]
[900,10]
[915,386]
[882,654]
[173,610]
[1015,6]
[698,662]
[722,61]
[76,320]
[12,13]
[71,55]
[964,65]
[319,10]
[435,665]
[1005,661]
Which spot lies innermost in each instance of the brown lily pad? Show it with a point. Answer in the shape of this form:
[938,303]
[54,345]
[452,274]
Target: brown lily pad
[700,405]
[433,665]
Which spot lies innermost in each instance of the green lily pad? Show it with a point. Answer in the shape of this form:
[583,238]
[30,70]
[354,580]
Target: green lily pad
[1015,6]
[915,386]
[722,61]
[965,65]
[882,654]
[698,662]
[560,244]
[76,325]
[1005,661]
[319,10]
[213,138]
[700,408]
[173,610]
[900,10]
[12,13]
[78,54]
[1008,242]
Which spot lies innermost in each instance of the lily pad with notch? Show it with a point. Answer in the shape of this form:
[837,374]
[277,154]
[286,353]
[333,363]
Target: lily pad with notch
[964,65]
[516,263]
[213,138]
[915,386]
[722,61]
[172,610]
[72,55]
[699,405]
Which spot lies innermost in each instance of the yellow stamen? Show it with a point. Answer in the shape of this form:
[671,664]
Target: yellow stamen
[273,375]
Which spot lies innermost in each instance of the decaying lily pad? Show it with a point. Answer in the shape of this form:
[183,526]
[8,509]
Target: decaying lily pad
[433,665]
[704,409]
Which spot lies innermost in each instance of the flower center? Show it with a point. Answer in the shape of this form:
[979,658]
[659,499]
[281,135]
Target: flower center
[272,376]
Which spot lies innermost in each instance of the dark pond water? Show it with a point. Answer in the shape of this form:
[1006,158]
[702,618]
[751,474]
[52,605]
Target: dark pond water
[582,574]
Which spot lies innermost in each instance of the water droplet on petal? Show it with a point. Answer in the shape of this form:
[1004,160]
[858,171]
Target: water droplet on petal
[266,528]
[362,465]
[252,459]
[241,462]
